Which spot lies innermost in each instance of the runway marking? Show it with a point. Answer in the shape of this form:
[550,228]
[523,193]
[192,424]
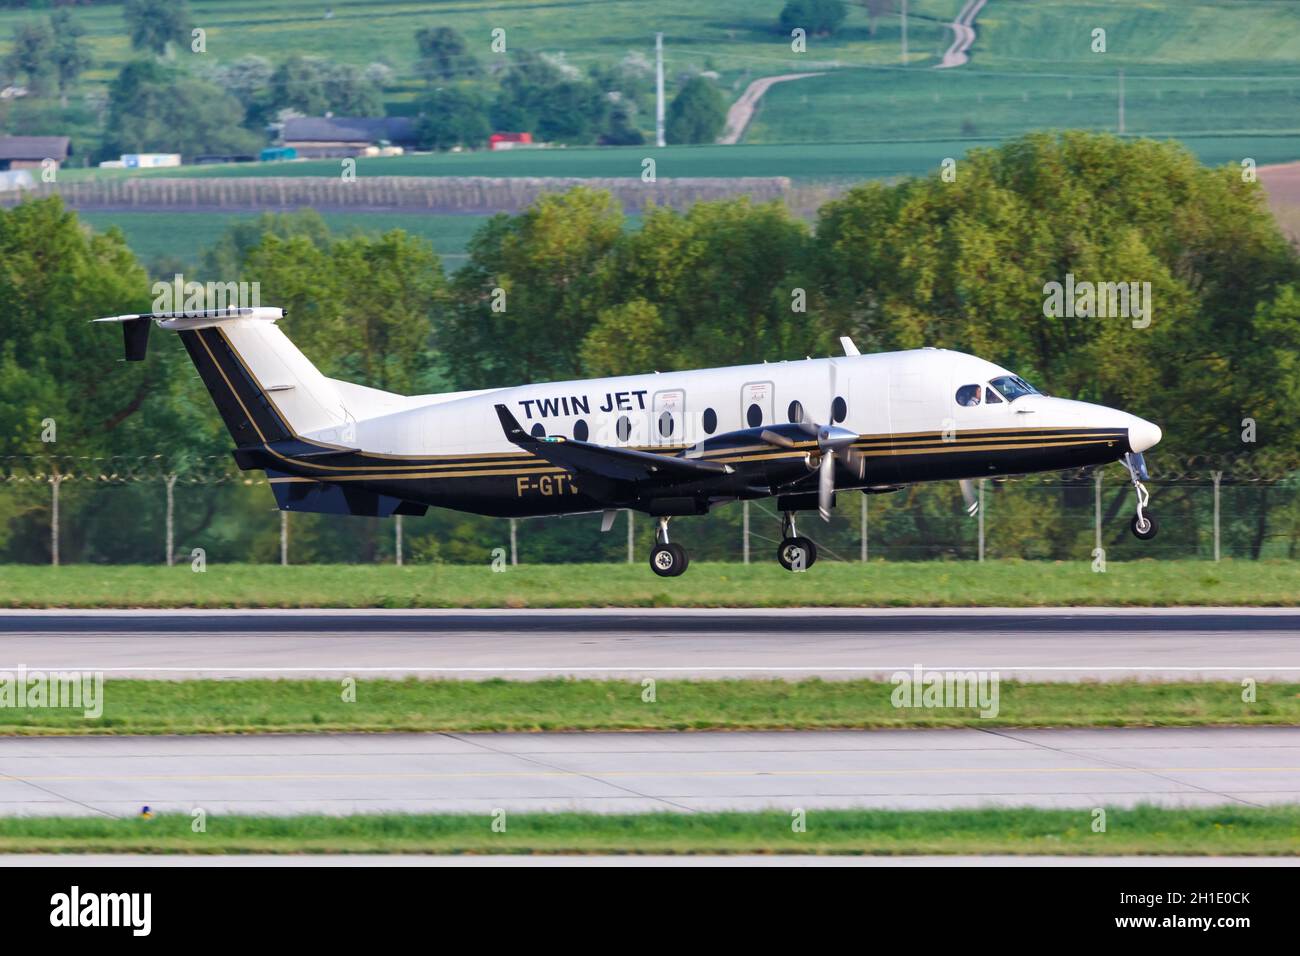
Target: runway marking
[550,669]
[596,775]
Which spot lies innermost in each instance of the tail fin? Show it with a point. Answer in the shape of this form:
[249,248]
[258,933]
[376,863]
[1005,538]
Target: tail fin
[264,387]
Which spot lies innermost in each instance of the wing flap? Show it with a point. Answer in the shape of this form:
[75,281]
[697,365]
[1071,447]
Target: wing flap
[620,464]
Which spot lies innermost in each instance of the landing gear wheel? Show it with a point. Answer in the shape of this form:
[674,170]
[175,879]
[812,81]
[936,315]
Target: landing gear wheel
[797,554]
[1144,527]
[668,560]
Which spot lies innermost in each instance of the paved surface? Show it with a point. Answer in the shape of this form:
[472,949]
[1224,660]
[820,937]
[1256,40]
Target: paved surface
[1035,644]
[477,773]
[963,35]
[742,111]
[766,860]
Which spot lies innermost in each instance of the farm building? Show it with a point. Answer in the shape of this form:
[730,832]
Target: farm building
[329,136]
[28,152]
[509,140]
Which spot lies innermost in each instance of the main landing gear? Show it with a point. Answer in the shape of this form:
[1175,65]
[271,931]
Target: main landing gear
[666,559]
[1144,525]
[794,553]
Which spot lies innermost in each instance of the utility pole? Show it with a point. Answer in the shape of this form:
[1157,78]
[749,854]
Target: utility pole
[284,537]
[55,480]
[397,544]
[905,32]
[1217,476]
[659,90]
[631,551]
[514,541]
[744,533]
[864,529]
[171,520]
[1096,509]
[981,516]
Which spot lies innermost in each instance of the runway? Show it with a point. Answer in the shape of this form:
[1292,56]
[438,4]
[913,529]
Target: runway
[635,772]
[1033,644]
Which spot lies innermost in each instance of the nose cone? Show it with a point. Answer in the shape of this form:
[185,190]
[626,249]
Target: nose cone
[1142,434]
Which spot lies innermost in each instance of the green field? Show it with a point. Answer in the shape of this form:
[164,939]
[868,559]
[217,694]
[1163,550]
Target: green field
[185,235]
[1008,583]
[411,706]
[840,162]
[1222,75]
[1216,831]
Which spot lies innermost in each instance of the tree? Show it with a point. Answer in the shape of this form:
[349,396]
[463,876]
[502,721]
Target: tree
[966,265]
[453,117]
[551,100]
[721,278]
[155,108]
[153,24]
[314,86]
[32,58]
[818,17]
[522,305]
[444,55]
[70,57]
[697,113]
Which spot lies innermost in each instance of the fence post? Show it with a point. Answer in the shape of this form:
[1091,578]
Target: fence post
[55,480]
[171,520]
[397,533]
[1096,508]
[744,533]
[981,519]
[514,541]
[1217,476]
[863,532]
[630,549]
[284,537]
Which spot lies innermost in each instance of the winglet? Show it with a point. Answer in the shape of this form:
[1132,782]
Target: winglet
[846,343]
[510,425]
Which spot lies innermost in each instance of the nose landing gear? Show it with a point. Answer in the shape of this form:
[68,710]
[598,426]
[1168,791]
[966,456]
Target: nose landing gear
[794,553]
[1144,525]
[666,559]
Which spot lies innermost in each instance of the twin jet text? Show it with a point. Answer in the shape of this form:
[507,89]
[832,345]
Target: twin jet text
[568,405]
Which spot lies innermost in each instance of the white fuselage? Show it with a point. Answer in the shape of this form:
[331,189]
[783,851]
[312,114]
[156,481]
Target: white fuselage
[894,393]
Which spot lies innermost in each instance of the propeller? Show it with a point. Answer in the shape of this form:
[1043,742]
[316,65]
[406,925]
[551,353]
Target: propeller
[968,492]
[833,442]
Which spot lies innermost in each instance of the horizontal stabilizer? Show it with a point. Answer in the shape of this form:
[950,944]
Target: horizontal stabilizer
[337,499]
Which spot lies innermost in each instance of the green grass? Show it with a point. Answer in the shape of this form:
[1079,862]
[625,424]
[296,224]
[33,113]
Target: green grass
[411,706]
[1218,831]
[185,235]
[1221,76]
[843,161]
[1007,583]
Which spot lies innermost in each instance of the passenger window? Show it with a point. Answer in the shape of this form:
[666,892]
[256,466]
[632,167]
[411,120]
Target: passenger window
[968,395]
[991,397]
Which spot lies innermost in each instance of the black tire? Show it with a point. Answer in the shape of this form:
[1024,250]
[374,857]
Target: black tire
[788,551]
[1147,533]
[668,560]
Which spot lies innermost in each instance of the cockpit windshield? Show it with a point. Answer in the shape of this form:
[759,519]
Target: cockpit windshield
[1013,387]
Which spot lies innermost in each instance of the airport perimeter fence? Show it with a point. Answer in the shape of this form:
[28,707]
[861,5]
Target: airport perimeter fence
[152,510]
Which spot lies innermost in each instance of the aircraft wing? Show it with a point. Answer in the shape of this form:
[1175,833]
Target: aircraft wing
[619,464]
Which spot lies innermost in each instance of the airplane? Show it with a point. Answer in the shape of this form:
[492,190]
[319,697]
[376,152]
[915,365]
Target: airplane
[667,444]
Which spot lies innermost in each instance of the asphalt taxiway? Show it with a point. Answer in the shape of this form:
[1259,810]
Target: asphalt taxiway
[633,772]
[1028,644]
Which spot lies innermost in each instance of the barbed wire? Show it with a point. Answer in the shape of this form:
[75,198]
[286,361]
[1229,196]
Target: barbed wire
[220,469]
[120,469]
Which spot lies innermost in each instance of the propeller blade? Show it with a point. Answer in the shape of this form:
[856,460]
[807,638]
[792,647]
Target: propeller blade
[808,425]
[854,461]
[772,438]
[826,485]
[968,492]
